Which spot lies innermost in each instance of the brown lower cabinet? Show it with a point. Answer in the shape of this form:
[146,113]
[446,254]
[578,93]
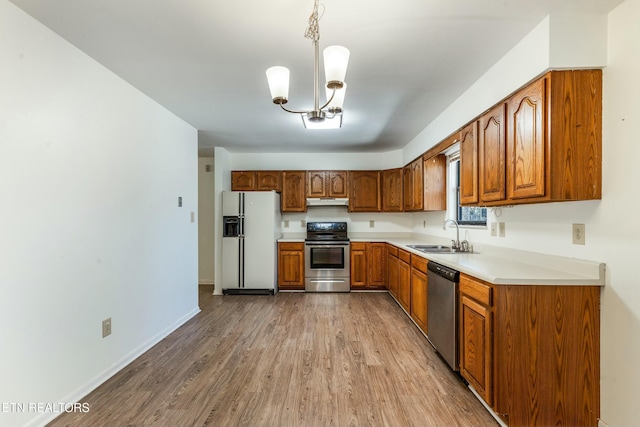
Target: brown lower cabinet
[368,265]
[532,352]
[291,265]
[419,291]
[392,270]
[404,279]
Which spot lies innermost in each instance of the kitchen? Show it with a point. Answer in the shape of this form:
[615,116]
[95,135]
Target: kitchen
[86,262]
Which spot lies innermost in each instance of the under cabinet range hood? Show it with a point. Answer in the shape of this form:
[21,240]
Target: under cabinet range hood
[328,202]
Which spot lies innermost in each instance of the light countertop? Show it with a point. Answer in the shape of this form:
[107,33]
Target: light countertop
[497,265]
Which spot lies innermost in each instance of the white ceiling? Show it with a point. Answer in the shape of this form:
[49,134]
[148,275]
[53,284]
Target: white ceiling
[205,60]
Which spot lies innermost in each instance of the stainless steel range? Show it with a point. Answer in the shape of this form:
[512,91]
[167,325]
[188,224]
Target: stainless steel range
[327,259]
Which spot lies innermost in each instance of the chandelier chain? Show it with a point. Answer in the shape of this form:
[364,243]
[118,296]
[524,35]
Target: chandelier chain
[313,31]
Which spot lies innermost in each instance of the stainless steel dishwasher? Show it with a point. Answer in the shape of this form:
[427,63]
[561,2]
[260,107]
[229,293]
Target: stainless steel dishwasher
[442,311]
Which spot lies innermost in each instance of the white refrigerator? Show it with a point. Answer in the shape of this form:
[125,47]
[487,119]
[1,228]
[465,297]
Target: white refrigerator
[251,228]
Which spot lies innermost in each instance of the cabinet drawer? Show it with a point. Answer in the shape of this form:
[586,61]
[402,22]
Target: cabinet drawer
[291,246]
[476,289]
[392,251]
[419,263]
[404,256]
[358,246]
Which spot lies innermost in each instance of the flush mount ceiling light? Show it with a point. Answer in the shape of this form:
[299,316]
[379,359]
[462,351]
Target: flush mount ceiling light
[336,59]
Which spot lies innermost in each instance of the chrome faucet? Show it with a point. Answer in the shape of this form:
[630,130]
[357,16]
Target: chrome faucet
[455,244]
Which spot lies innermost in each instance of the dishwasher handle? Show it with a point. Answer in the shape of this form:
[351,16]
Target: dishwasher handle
[444,271]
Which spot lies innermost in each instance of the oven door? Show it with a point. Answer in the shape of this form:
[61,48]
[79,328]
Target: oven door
[327,267]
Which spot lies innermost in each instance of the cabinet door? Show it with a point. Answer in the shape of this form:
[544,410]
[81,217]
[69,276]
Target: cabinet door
[469,165]
[316,184]
[526,142]
[291,265]
[376,265]
[392,190]
[337,184]
[358,265]
[419,298]
[491,155]
[435,183]
[364,191]
[269,181]
[407,188]
[404,285]
[417,185]
[243,180]
[475,347]
[392,275]
[293,191]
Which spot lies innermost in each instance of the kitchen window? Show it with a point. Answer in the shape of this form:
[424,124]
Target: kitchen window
[464,215]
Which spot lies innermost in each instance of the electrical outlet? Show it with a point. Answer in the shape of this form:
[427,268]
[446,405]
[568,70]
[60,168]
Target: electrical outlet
[494,229]
[372,223]
[179,202]
[424,223]
[193,216]
[578,234]
[501,229]
[303,223]
[106,327]
[286,223]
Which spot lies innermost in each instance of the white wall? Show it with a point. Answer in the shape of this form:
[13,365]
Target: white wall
[316,161]
[90,175]
[206,221]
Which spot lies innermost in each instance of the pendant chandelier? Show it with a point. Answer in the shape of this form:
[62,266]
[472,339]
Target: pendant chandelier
[336,59]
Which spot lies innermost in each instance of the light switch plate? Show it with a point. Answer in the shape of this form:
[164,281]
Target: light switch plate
[501,229]
[494,229]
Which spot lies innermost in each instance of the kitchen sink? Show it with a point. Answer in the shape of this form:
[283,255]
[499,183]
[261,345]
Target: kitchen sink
[434,249]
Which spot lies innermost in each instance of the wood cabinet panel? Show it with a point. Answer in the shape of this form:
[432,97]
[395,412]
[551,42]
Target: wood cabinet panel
[435,183]
[392,194]
[492,154]
[475,347]
[476,289]
[364,189]
[469,165]
[526,145]
[376,263]
[404,284]
[368,265]
[316,184]
[392,270]
[291,265]
[417,190]
[338,183]
[419,294]
[547,355]
[293,191]
[358,265]
[407,188]
[269,181]
[243,180]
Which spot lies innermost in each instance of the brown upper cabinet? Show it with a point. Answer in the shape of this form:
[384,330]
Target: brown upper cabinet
[323,184]
[413,190]
[469,164]
[293,194]
[435,183]
[543,144]
[492,154]
[364,191]
[392,190]
[269,181]
[243,180]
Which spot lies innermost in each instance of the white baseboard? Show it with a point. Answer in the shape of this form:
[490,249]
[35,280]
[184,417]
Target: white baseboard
[45,418]
[487,407]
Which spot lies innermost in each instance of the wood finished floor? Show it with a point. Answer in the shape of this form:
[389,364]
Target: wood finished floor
[295,359]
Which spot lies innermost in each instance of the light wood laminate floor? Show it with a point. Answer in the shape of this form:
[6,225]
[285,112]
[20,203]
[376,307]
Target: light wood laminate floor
[293,359]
